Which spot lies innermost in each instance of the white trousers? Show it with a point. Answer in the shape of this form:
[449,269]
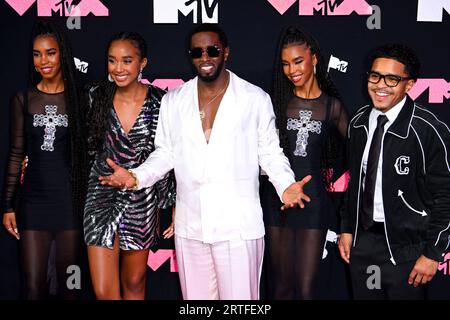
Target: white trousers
[226,270]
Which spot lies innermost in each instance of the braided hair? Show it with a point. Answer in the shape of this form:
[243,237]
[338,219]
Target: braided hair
[282,90]
[48,27]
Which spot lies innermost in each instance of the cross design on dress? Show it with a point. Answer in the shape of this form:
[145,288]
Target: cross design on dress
[304,125]
[50,120]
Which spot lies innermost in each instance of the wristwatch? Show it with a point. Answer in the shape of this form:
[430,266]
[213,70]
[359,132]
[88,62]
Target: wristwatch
[136,181]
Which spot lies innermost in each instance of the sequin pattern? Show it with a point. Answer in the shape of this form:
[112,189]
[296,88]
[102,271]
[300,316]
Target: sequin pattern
[133,215]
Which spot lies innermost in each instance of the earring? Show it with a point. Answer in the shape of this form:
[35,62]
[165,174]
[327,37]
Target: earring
[314,69]
[139,78]
[35,68]
[110,78]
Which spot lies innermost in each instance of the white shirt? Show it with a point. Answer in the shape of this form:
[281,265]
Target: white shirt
[378,210]
[217,182]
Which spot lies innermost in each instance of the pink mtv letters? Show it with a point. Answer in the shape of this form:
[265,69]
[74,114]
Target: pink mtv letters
[282,5]
[156,259]
[438,89]
[328,7]
[361,7]
[167,83]
[164,83]
[445,266]
[46,7]
[341,184]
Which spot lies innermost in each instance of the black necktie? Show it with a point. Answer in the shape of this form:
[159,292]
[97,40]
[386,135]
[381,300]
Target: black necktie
[371,173]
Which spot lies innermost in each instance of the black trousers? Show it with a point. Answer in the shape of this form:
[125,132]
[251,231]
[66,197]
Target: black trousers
[374,277]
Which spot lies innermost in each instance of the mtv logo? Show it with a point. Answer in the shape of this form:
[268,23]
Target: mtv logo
[341,184]
[45,8]
[165,84]
[156,259]
[81,66]
[431,11]
[336,63]
[445,265]
[327,7]
[438,89]
[166,11]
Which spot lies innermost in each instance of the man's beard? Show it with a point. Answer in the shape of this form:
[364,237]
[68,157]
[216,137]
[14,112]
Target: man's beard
[213,76]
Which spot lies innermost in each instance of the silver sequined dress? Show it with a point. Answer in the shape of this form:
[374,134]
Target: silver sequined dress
[133,215]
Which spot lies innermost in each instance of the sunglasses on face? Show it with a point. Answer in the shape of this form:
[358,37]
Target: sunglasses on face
[390,80]
[212,51]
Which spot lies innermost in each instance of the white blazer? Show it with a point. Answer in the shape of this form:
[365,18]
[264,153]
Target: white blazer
[217,182]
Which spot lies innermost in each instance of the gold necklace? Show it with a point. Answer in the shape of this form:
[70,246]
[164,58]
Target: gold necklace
[202,112]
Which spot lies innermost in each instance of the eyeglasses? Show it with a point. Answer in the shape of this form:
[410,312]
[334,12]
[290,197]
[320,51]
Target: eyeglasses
[390,80]
[212,51]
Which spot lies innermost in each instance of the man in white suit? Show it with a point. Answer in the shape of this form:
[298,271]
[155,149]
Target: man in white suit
[215,131]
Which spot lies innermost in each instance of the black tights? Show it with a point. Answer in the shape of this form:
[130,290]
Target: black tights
[35,251]
[294,261]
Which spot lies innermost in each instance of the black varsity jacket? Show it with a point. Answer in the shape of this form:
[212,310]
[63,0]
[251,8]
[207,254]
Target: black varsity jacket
[416,183]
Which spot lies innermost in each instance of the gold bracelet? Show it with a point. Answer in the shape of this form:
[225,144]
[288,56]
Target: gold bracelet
[136,181]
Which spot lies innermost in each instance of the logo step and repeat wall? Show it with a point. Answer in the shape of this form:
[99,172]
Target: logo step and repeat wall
[346,29]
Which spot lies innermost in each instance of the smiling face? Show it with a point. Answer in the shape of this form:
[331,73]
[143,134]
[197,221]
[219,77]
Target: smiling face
[46,57]
[298,64]
[385,97]
[208,68]
[124,62]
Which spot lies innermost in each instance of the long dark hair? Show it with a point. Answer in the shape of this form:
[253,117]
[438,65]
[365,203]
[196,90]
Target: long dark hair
[104,95]
[282,91]
[48,27]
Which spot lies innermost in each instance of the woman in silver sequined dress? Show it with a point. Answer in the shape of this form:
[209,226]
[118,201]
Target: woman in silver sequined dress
[122,121]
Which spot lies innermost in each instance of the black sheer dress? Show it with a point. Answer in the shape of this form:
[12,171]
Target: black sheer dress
[309,122]
[296,237]
[38,190]
[40,132]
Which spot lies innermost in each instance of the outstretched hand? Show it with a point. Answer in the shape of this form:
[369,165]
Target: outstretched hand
[121,178]
[294,194]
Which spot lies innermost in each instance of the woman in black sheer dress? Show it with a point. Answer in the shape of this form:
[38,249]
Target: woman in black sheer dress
[311,121]
[46,135]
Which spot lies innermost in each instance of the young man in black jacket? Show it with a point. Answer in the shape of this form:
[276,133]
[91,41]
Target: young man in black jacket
[396,218]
